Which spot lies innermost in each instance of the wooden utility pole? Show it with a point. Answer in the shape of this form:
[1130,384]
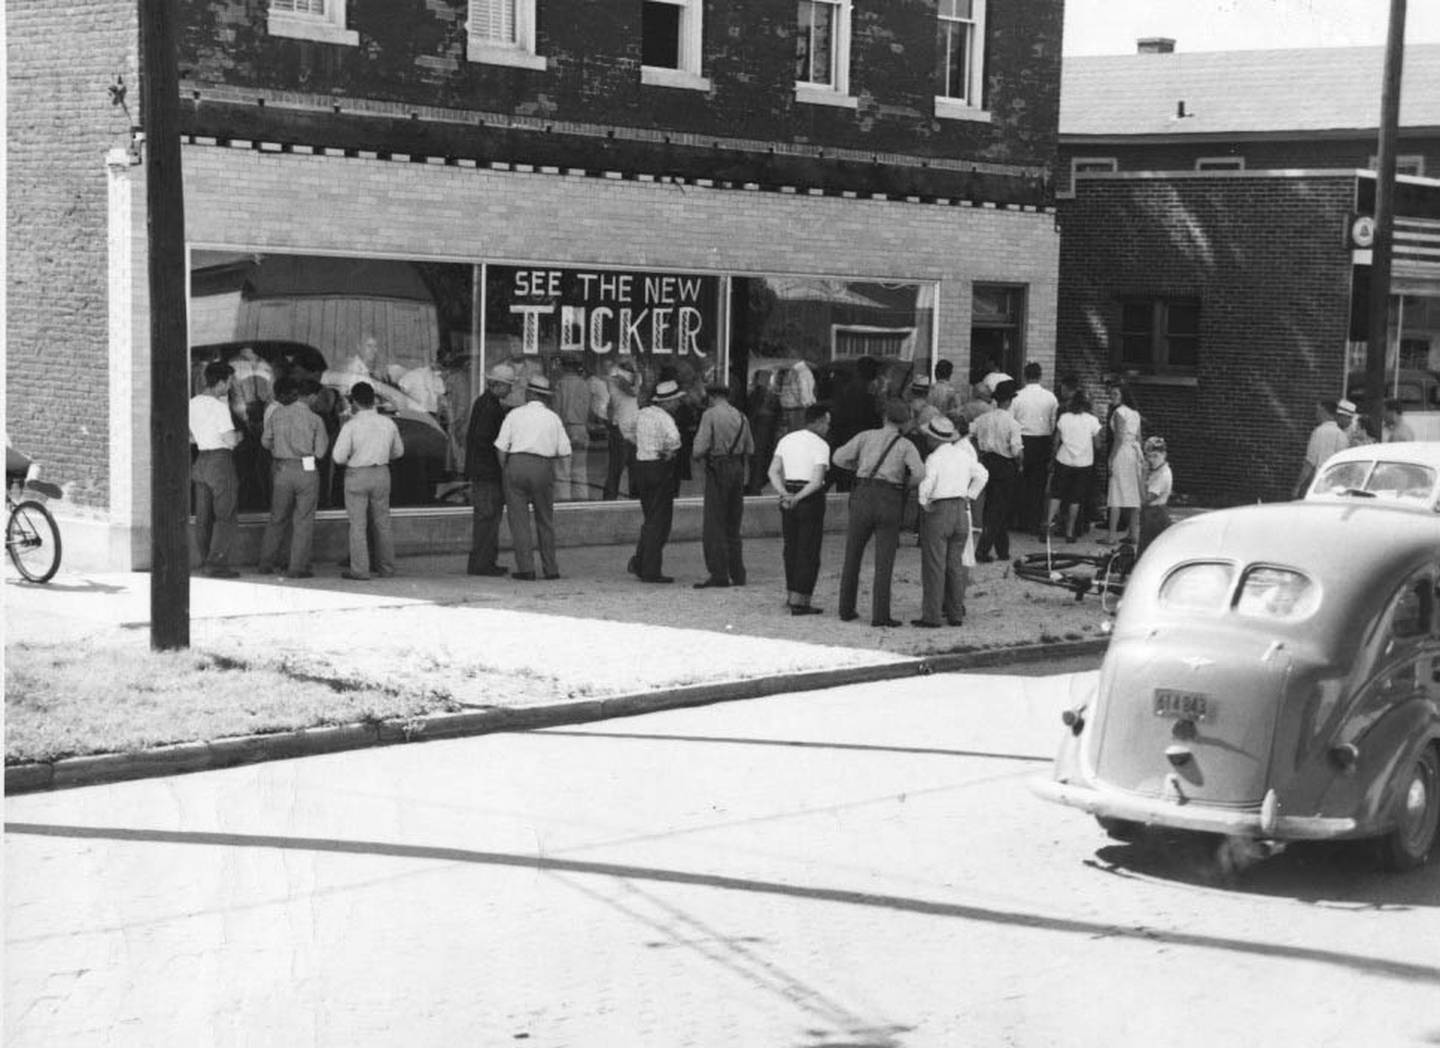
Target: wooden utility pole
[169,352]
[1383,248]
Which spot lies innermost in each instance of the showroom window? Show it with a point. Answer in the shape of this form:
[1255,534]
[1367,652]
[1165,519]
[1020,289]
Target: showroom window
[403,326]
[320,20]
[1160,335]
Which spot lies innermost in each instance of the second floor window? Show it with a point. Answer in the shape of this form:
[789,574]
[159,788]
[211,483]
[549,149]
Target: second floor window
[322,20]
[670,35]
[962,34]
[822,44]
[503,32]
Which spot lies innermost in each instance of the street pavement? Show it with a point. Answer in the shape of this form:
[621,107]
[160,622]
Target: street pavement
[862,866]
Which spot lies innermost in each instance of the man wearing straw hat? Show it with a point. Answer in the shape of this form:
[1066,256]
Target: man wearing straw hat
[1332,419]
[657,441]
[953,479]
[531,440]
[723,446]
[482,466]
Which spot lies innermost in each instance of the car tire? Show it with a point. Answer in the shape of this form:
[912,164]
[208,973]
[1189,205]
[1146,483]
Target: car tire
[1120,829]
[1411,843]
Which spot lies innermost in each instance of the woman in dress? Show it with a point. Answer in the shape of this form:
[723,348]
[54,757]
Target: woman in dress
[1127,465]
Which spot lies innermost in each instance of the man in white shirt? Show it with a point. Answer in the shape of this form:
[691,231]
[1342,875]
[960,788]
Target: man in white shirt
[953,478]
[797,473]
[1035,408]
[657,441]
[1326,438]
[994,376]
[997,438]
[366,446]
[532,441]
[216,487]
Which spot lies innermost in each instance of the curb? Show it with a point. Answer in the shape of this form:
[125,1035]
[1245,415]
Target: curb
[185,757]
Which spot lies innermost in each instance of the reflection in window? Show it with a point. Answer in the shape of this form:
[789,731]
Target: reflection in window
[1400,481]
[1197,587]
[1414,609]
[796,340]
[1343,477]
[1277,593]
[404,327]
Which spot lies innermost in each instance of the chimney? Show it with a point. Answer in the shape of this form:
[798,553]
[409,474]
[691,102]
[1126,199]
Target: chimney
[1155,45]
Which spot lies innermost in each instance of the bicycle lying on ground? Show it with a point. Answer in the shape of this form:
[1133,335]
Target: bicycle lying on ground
[32,538]
[1081,573]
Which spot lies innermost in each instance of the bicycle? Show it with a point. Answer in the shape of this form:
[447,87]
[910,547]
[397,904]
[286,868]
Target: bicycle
[1107,575]
[32,538]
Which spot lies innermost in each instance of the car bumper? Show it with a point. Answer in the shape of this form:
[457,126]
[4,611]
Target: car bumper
[1161,811]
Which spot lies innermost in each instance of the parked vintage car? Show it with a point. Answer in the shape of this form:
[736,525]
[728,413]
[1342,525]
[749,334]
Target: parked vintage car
[1405,475]
[1418,392]
[1273,674]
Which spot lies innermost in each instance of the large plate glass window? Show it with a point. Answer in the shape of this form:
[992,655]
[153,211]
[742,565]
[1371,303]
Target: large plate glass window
[575,325]
[403,326]
[795,340]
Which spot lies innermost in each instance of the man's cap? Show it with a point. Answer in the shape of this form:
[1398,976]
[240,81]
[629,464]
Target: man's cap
[942,429]
[539,385]
[500,373]
[666,391]
[1154,444]
[1345,407]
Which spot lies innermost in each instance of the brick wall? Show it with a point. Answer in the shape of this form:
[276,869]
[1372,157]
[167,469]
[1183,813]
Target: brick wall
[415,54]
[60,124]
[1266,258]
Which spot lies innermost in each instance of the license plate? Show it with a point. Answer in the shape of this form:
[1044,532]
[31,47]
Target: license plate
[1185,705]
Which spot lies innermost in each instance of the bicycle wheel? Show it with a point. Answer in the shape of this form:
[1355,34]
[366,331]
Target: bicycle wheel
[32,539]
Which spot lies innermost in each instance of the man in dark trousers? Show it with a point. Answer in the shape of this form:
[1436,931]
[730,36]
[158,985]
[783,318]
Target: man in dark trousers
[998,439]
[723,447]
[797,473]
[531,443]
[657,442]
[885,464]
[482,466]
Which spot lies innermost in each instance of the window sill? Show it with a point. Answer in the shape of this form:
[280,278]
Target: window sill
[492,54]
[309,29]
[815,95]
[1179,381]
[659,76]
[955,109]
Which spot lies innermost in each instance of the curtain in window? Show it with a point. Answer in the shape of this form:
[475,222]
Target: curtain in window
[300,7]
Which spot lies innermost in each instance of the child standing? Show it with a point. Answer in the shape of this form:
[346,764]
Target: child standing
[1155,513]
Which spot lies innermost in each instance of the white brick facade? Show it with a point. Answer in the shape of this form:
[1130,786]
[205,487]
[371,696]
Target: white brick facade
[316,204]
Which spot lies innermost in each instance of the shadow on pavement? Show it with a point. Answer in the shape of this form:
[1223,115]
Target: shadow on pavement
[849,897]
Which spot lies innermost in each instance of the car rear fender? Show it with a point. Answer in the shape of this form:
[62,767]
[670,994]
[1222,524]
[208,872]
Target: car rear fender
[1388,749]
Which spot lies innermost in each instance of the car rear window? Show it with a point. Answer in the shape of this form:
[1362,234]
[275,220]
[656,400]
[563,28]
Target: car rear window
[1277,593]
[1198,587]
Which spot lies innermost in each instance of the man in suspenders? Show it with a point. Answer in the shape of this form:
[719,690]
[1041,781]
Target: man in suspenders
[884,464]
[723,446]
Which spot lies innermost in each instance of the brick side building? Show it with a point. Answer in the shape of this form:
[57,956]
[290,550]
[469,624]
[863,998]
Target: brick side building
[1209,257]
[711,189]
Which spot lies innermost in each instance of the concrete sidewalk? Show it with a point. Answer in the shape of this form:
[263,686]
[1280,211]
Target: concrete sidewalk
[594,643]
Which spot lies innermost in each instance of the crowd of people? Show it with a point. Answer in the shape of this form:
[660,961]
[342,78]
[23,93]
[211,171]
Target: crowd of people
[959,465]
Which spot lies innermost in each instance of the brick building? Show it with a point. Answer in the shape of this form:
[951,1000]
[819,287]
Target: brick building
[418,191]
[1207,203]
